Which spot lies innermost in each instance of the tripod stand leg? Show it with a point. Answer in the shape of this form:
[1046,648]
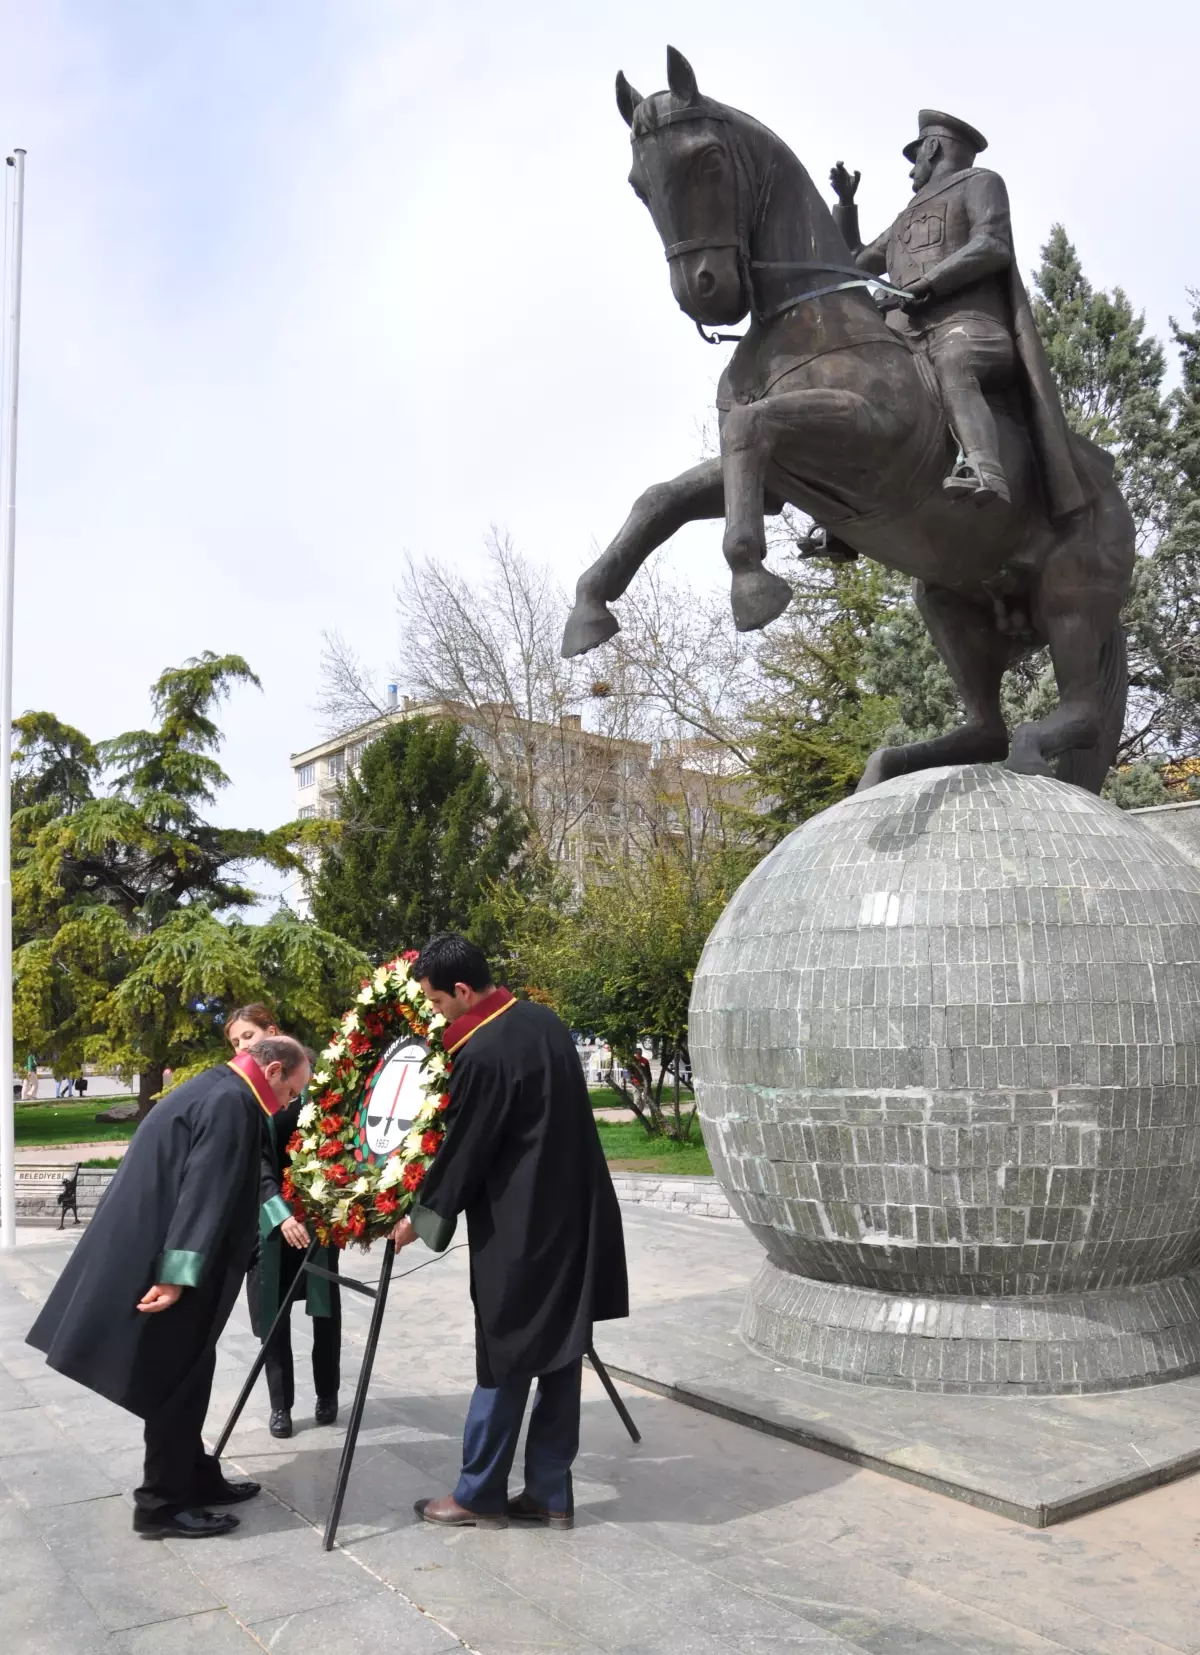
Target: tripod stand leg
[261,1358]
[360,1396]
[606,1380]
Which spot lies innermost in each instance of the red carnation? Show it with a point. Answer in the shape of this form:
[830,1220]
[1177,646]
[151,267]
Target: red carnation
[359,1043]
[328,1151]
[386,1203]
[444,1101]
[338,1175]
[339,1235]
[414,1175]
[356,1221]
[298,1211]
[430,1141]
[409,955]
[288,1188]
[331,1124]
[295,1143]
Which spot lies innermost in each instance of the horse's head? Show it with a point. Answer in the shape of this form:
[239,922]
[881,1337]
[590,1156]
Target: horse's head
[690,170]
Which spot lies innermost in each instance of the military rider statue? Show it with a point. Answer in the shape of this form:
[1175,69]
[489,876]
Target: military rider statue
[965,306]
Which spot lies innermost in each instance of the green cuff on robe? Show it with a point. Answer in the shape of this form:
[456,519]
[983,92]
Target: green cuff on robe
[180,1268]
[434,1230]
[272,1214]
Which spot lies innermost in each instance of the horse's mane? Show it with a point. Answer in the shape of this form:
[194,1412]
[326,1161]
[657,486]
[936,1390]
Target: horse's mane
[790,220]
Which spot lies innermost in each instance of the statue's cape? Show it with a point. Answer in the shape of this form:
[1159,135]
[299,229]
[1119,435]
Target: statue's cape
[1068,485]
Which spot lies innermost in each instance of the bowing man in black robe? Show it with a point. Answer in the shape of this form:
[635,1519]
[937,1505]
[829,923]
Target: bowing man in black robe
[522,1159]
[137,1311]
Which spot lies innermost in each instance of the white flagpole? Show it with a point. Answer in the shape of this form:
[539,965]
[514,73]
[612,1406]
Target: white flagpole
[8,1158]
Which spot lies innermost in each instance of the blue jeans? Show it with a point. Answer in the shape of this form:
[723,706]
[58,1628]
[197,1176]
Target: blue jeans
[490,1441]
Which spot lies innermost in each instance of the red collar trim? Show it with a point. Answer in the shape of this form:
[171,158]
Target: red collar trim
[244,1066]
[492,1005]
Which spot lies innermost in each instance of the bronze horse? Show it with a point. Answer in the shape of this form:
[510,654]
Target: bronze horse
[825,407]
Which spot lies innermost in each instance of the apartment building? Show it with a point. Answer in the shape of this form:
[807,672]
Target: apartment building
[592,793]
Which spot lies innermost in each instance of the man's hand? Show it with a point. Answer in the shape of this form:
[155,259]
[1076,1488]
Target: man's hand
[160,1297]
[294,1233]
[403,1234]
[918,292]
[844,184]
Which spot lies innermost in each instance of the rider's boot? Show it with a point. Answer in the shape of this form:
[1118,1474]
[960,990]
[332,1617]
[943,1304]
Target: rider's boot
[979,480]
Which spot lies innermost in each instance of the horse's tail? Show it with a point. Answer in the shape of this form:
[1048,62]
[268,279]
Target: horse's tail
[1087,766]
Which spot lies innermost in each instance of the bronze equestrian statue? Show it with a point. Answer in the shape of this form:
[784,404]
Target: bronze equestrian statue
[924,431]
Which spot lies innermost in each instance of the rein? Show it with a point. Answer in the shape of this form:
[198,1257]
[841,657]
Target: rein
[741,241]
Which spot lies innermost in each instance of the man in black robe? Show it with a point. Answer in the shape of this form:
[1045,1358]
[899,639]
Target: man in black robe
[138,1310]
[522,1158]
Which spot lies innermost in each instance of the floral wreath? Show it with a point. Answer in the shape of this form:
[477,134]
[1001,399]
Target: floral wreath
[371,1125]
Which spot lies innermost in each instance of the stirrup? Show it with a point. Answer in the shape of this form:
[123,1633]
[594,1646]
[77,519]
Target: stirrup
[968,482]
[819,543]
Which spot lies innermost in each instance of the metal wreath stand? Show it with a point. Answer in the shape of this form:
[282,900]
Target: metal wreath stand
[379,1293]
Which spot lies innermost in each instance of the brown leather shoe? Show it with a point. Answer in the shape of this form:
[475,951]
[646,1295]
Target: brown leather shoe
[525,1510]
[448,1512]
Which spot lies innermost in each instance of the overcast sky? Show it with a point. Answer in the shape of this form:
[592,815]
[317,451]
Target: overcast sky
[312,282]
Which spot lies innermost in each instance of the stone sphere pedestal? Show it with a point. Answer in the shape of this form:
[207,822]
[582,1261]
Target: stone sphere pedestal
[945,1041]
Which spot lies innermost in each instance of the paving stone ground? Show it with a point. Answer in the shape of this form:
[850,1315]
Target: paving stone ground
[708,1539]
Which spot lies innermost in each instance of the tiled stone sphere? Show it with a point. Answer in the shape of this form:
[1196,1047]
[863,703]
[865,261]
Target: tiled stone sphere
[945,1043]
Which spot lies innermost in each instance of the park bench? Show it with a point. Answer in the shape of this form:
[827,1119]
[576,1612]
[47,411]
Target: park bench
[41,1189]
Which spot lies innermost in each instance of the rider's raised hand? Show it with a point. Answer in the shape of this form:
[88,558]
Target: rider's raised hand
[844,183]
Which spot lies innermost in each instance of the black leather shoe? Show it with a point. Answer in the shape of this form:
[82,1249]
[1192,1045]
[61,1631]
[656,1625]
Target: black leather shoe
[182,1525]
[232,1494]
[281,1423]
[326,1410]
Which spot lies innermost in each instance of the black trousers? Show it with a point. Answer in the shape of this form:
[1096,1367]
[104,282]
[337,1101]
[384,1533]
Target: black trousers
[326,1330]
[178,1473]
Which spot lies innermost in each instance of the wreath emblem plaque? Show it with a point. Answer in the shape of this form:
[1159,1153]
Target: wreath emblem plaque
[372,1122]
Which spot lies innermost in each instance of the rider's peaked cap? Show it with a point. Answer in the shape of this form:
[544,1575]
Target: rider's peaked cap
[935,123]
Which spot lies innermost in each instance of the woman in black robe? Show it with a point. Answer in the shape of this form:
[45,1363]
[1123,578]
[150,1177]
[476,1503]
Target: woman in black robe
[139,1307]
[522,1159]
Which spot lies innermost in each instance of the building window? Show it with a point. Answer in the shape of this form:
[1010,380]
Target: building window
[306,775]
[306,812]
[335,766]
[354,755]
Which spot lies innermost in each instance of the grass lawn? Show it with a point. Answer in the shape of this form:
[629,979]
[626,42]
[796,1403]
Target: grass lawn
[109,1165]
[607,1097]
[43,1124]
[628,1149]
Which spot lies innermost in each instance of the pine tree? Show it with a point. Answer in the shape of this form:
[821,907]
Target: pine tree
[1109,374]
[423,837]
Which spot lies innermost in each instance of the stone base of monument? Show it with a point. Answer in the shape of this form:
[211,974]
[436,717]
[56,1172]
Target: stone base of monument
[1061,1343]
[1034,1459]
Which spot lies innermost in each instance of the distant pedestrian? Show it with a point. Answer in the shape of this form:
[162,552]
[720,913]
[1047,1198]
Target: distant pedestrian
[81,1086]
[29,1086]
[63,1089]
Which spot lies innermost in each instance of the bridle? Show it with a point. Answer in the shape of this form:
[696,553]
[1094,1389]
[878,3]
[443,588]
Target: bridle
[735,153]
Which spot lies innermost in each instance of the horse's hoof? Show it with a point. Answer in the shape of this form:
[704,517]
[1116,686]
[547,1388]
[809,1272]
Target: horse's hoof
[759,597]
[876,770]
[589,625]
[1027,763]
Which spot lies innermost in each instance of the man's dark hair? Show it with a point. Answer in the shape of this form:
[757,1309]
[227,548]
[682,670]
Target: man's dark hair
[451,959]
[279,1048]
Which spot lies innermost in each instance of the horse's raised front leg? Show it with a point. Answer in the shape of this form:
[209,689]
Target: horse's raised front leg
[814,423]
[977,655]
[656,515]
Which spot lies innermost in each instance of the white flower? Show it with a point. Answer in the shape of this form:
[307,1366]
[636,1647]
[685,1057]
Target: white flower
[392,1173]
[365,995]
[318,1188]
[340,1211]
[361,1187]
[412,1144]
[437,1021]
[332,1052]
[308,1115]
[311,1144]
[435,1064]
[350,1022]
